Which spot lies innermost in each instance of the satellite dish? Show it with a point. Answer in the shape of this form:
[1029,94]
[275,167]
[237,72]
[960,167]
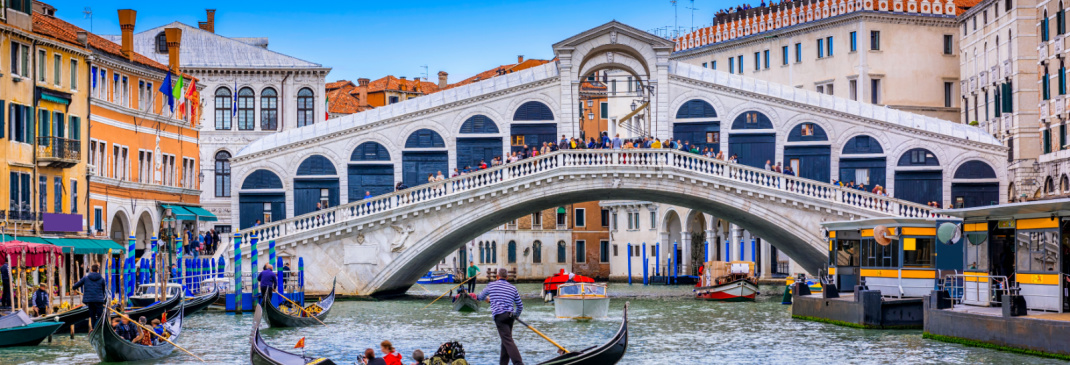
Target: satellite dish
[880,234]
[949,233]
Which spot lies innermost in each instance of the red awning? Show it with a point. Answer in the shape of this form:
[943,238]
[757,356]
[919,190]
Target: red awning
[561,277]
[36,254]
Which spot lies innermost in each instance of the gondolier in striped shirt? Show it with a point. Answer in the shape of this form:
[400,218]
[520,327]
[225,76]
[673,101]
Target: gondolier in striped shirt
[505,305]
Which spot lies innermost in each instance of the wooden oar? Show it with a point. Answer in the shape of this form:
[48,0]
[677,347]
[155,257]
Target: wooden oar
[299,306]
[447,292]
[424,288]
[152,332]
[540,334]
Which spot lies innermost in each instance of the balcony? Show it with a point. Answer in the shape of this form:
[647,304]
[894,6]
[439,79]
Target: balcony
[1060,106]
[1007,68]
[1044,109]
[994,71]
[984,79]
[58,152]
[1042,52]
[1058,46]
[973,84]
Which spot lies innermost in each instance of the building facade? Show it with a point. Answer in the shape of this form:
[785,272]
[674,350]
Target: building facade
[852,49]
[1053,165]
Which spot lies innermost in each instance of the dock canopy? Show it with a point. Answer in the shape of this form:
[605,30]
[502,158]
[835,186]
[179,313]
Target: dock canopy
[36,254]
[77,245]
[190,213]
[1031,209]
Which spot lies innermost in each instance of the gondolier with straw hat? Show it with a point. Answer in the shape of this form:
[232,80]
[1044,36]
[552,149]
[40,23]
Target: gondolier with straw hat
[505,307]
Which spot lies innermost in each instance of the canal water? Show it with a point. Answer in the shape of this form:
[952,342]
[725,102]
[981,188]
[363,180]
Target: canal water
[666,327]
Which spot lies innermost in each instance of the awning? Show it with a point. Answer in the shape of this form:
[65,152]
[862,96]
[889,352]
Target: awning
[79,246]
[30,239]
[189,213]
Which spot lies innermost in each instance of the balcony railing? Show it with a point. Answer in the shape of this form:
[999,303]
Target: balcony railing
[59,151]
[18,215]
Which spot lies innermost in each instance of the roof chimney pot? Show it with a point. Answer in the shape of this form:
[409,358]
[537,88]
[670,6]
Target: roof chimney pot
[208,25]
[127,18]
[520,59]
[174,41]
[442,76]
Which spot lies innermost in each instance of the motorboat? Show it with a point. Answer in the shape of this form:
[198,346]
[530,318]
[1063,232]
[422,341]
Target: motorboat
[581,301]
[146,294]
[727,281]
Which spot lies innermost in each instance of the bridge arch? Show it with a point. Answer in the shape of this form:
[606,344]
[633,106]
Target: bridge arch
[918,176]
[974,184]
[261,197]
[753,139]
[479,138]
[425,153]
[807,149]
[863,162]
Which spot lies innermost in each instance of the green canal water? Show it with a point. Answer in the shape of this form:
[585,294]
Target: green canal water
[666,327]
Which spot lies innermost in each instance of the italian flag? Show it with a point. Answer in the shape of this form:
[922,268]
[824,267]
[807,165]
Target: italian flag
[326,107]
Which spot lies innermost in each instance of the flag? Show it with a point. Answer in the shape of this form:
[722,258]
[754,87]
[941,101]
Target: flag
[191,96]
[164,89]
[326,107]
[176,92]
[300,343]
[234,101]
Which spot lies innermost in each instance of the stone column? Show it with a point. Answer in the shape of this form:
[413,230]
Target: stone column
[767,260]
[733,244]
[685,253]
[711,245]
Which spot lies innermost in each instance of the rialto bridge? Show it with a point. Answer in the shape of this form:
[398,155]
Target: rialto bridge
[382,244]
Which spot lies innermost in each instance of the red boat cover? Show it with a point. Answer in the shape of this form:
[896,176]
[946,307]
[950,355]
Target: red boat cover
[36,253]
[560,278]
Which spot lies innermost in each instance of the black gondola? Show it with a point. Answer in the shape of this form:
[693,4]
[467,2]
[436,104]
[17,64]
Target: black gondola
[195,304]
[155,310]
[69,318]
[464,302]
[606,354]
[263,354]
[111,347]
[276,318]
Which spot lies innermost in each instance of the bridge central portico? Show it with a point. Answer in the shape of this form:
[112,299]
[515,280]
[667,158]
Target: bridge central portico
[384,243]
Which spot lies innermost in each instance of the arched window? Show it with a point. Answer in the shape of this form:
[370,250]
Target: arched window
[561,252]
[246,109]
[161,43]
[482,253]
[511,249]
[222,108]
[493,252]
[306,101]
[222,174]
[269,110]
[532,111]
[536,252]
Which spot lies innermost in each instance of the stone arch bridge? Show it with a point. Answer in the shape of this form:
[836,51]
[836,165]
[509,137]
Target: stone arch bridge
[382,244]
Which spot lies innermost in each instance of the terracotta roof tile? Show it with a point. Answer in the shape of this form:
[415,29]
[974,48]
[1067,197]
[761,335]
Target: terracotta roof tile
[500,70]
[962,5]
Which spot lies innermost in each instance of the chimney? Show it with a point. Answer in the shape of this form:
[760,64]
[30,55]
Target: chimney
[363,84]
[126,24]
[208,25]
[174,41]
[83,38]
[519,59]
[442,75]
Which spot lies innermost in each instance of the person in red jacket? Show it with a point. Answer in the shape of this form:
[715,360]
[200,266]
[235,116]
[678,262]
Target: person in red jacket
[391,356]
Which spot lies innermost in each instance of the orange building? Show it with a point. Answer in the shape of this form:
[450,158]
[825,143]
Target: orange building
[142,156]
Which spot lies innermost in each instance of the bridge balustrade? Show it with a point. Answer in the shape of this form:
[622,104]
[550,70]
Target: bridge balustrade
[661,159]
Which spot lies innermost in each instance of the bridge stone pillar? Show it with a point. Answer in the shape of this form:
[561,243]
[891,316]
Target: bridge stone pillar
[733,246]
[713,243]
[767,260]
[685,253]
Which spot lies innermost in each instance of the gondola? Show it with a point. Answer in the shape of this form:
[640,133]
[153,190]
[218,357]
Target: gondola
[17,329]
[69,318]
[195,304]
[263,354]
[155,310]
[606,354]
[465,302]
[276,318]
[111,347]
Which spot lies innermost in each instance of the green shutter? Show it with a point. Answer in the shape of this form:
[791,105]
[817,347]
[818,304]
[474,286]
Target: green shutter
[1047,140]
[999,103]
[29,124]
[1008,98]
[2,125]
[76,128]
[1062,137]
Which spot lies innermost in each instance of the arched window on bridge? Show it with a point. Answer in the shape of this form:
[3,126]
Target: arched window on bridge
[511,249]
[919,178]
[536,252]
[316,182]
[430,158]
[808,152]
[471,150]
[753,139]
[561,252]
[974,184]
[862,162]
[370,171]
[536,126]
[261,198]
[695,122]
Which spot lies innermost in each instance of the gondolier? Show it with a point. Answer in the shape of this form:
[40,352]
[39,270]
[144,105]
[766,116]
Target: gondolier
[473,271]
[505,306]
[93,293]
[268,281]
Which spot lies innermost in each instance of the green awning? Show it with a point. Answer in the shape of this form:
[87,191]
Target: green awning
[561,210]
[55,99]
[83,246]
[181,213]
[202,214]
[29,239]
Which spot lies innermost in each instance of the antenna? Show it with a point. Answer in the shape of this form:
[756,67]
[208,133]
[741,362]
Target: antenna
[693,15]
[675,19]
[425,71]
[89,15]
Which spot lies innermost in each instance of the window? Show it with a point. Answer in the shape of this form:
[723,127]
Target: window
[42,194]
[615,249]
[1045,83]
[713,137]
[305,107]
[820,48]
[20,59]
[631,222]
[161,43]
[518,140]
[854,41]
[852,89]
[117,92]
[511,252]
[798,52]
[739,60]
[1007,5]
[150,96]
[98,219]
[862,176]
[629,79]
[57,194]
[825,88]
[875,91]
[1062,79]
[222,174]
[603,251]
[757,61]
[536,252]
[561,217]
[269,112]
[948,43]
[947,96]
[223,103]
[102,91]
[1060,20]
[125,101]
[828,45]
[1034,250]
[581,217]
[57,64]
[653,220]
[246,109]
[766,54]
[705,65]
[604,110]
[561,252]
[74,74]
[605,217]
[613,221]
[807,129]
[875,40]
[784,54]
[581,251]
[731,65]
[41,60]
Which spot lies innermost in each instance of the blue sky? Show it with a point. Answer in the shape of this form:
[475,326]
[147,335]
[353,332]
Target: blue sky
[376,38]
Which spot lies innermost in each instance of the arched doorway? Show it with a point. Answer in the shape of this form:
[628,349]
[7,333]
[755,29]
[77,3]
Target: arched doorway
[919,177]
[425,154]
[143,233]
[974,185]
[481,143]
[370,171]
[696,122]
[119,228]
[862,161]
[753,139]
[316,185]
[808,153]
[696,229]
[670,248]
[532,126]
[261,198]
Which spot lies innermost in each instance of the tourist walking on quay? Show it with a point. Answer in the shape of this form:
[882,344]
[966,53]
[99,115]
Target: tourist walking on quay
[505,306]
[268,282]
[93,292]
[473,271]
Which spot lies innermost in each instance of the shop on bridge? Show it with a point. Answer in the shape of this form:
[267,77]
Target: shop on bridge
[974,185]
[696,123]
[316,183]
[261,198]
[808,152]
[919,177]
[862,161]
[370,171]
[1022,245]
[753,139]
[480,142]
[536,125]
[425,154]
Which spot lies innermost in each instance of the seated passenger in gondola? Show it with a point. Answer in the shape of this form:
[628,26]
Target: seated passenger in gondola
[126,330]
[370,359]
[144,337]
[160,329]
[418,356]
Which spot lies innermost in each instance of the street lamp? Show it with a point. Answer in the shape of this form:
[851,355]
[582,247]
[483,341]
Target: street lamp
[633,105]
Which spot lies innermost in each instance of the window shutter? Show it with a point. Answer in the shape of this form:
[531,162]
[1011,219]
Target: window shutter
[76,128]
[999,102]
[2,119]
[29,124]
